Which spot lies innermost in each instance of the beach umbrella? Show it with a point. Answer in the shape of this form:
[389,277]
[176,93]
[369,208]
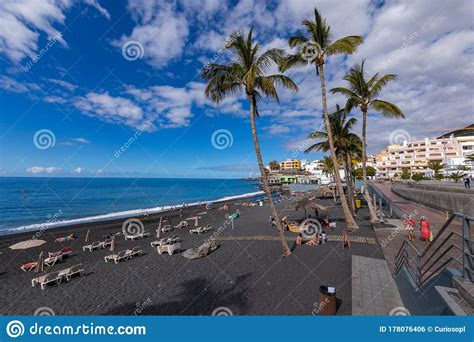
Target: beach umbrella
[112,245]
[40,263]
[88,236]
[158,231]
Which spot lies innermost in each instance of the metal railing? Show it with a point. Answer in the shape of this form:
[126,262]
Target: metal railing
[439,254]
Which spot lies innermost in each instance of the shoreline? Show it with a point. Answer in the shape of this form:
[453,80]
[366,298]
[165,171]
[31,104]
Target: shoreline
[114,216]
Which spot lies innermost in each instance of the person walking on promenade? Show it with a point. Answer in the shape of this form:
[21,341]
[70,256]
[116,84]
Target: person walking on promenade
[467,182]
[410,227]
[425,229]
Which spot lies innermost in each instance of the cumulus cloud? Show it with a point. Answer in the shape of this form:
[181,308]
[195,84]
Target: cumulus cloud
[41,169]
[109,108]
[161,30]
[78,170]
[23,21]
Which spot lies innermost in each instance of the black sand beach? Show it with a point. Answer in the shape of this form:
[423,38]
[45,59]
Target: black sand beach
[249,277]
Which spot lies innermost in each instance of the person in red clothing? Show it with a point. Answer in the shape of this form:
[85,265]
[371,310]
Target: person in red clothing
[425,229]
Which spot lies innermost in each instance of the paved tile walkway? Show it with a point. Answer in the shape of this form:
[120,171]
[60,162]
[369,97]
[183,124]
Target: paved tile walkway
[391,237]
[374,291]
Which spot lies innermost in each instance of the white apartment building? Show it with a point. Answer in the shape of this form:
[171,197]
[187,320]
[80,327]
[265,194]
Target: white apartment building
[450,149]
[314,168]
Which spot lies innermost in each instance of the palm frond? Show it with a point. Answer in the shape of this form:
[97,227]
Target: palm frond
[347,45]
[379,84]
[386,109]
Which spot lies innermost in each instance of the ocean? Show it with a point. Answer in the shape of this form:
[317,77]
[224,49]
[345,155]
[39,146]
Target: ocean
[29,203]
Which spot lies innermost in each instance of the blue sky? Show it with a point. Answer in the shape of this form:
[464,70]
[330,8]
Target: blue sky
[90,95]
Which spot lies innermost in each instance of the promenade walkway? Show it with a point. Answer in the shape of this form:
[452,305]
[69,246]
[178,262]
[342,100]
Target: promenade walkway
[374,291]
[391,236]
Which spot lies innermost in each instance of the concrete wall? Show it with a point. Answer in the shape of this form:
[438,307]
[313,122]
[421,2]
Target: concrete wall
[459,202]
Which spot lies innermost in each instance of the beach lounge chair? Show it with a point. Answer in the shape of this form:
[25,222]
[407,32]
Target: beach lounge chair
[71,271]
[137,236]
[53,277]
[201,230]
[182,224]
[170,249]
[134,251]
[116,257]
[93,246]
[29,266]
[166,241]
[167,228]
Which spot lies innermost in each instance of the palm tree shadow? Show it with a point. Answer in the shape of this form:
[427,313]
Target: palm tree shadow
[197,297]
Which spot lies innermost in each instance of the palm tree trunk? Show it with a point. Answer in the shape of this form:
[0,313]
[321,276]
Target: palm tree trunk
[266,189]
[350,187]
[351,223]
[373,214]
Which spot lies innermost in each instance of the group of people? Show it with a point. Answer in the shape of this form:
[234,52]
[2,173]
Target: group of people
[425,229]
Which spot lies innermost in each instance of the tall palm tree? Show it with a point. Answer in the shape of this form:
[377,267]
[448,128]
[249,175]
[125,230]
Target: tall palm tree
[436,166]
[247,73]
[313,48]
[364,94]
[327,166]
[346,144]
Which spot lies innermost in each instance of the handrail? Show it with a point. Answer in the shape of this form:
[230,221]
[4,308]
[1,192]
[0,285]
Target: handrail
[428,265]
[439,247]
[446,224]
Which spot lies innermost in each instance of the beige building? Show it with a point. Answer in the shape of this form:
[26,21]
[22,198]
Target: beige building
[290,164]
[415,155]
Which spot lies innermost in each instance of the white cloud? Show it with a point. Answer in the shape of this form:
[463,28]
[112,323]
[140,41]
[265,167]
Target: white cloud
[41,169]
[23,21]
[81,140]
[111,109]
[15,86]
[78,170]
[276,129]
[161,30]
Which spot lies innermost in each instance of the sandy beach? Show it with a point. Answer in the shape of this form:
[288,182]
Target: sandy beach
[246,275]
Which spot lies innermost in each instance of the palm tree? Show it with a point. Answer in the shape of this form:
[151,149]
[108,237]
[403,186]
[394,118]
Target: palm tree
[274,165]
[327,166]
[346,145]
[457,176]
[313,48]
[364,94]
[469,159]
[247,72]
[436,166]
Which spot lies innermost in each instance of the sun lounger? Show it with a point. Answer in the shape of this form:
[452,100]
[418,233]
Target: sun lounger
[137,236]
[93,246]
[71,271]
[201,230]
[165,241]
[29,266]
[182,224]
[53,277]
[166,228]
[134,251]
[170,249]
[116,257]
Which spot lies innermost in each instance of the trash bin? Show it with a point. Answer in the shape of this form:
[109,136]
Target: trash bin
[357,203]
[327,300]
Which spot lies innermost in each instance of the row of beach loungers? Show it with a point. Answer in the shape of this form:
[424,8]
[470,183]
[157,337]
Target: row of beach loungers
[58,276]
[165,245]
